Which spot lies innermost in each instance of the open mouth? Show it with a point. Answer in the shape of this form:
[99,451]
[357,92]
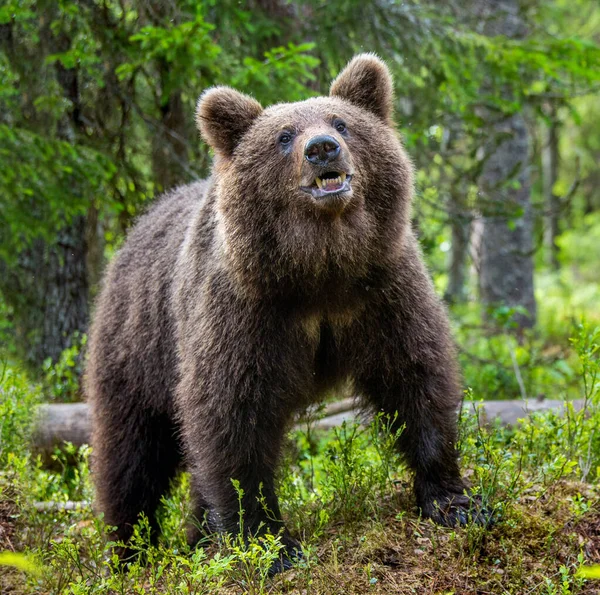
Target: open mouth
[328,184]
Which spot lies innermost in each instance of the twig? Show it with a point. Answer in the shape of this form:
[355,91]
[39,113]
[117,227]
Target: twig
[513,357]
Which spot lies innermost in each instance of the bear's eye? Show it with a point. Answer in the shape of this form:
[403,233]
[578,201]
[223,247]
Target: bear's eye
[285,138]
[340,126]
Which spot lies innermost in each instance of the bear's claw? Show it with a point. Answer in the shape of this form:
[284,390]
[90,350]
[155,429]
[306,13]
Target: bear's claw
[290,555]
[456,510]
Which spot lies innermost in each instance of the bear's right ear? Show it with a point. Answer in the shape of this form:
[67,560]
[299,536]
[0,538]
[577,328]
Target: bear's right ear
[223,116]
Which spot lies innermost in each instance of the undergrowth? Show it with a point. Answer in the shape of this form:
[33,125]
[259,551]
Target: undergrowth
[347,496]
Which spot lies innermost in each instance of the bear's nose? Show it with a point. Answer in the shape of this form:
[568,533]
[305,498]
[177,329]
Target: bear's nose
[321,149]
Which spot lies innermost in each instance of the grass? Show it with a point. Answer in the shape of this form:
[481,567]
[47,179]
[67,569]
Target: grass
[348,497]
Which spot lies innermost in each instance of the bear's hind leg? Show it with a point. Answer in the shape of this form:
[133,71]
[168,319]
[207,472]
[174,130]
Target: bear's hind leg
[134,461]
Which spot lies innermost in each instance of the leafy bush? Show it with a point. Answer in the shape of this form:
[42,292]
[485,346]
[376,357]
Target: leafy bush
[17,402]
[580,248]
[62,379]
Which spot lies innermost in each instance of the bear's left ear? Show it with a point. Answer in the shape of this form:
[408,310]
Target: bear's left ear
[223,116]
[366,82]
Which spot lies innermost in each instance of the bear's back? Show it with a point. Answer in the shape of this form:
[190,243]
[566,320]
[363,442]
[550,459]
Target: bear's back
[132,345]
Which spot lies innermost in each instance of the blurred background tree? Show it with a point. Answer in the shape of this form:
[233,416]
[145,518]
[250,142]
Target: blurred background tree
[497,102]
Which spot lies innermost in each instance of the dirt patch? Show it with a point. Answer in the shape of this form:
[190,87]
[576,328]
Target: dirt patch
[11,580]
[588,531]
[8,511]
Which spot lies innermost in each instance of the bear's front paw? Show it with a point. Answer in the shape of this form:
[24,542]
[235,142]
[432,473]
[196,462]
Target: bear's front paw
[454,509]
[290,554]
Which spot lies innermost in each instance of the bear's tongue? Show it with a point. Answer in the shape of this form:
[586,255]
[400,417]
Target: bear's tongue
[331,183]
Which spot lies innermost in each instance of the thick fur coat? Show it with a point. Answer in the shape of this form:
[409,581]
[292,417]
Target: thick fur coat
[237,301]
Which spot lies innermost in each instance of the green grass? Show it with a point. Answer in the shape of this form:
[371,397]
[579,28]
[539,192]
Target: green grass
[348,497]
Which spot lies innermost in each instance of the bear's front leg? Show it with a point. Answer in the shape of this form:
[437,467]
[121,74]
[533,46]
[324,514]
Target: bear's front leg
[233,461]
[428,420]
[410,372]
[232,454]
[235,400]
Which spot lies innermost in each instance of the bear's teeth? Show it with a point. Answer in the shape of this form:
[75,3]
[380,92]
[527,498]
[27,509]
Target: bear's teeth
[324,184]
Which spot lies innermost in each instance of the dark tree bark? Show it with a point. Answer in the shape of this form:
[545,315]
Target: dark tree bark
[506,242]
[49,288]
[48,292]
[61,267]
[460,227]
[65,303]
[550,157]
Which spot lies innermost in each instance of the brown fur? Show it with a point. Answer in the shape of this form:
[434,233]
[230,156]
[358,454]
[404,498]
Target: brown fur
[237,301]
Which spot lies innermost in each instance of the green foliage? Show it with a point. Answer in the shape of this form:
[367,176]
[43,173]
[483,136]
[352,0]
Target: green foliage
[502,366]
[187,48]
[590,572]
[70,481]
[44,183]
[550,446]
[61,379]
[287,69]
[17,401]
[19,561]
[580,248]
[342,480]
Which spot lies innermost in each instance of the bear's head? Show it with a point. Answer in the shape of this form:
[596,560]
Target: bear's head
[313,191]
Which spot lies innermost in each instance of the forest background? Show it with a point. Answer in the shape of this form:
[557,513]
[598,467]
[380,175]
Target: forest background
[498,103]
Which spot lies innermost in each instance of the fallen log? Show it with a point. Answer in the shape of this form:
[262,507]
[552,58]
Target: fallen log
[57,423]
[70,422]
[54,506]
[508,413]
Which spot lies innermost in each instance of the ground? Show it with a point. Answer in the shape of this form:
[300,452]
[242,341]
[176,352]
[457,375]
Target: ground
[360,528]
[347,497]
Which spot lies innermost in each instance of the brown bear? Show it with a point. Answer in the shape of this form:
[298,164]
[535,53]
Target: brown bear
[239,300]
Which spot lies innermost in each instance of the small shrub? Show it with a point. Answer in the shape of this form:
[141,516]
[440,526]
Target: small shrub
[61,379]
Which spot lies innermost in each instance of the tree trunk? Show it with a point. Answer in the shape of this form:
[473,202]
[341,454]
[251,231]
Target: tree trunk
[550,159]
[48,292]
[48,287]
[57,272]
[506,243]
[62,267]
[461,229]
[65,303]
